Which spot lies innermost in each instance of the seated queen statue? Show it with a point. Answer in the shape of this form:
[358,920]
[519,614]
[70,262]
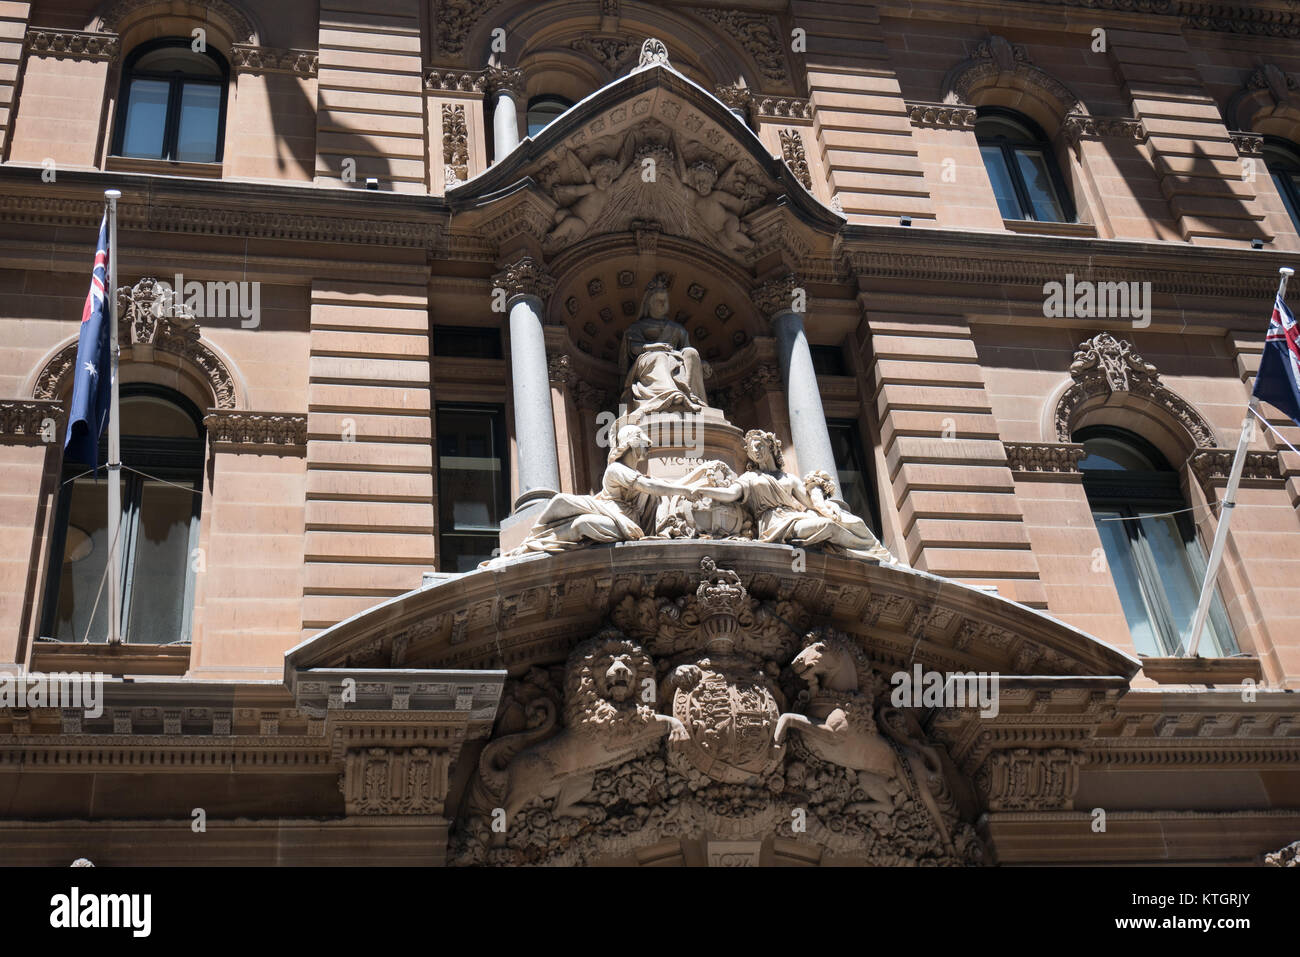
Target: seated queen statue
[662,372]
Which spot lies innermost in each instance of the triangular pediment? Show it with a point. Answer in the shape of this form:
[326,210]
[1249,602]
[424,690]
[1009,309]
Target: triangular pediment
[652,150]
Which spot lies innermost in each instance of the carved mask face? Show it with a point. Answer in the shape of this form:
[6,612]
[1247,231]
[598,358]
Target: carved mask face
[604,177]
[618,679]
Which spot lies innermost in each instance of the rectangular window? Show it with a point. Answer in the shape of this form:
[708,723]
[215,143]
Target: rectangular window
[1037,178]
[828,360]
[196,139]
[146,119]
[466,342]
[1004,187]
[854,478]
[473,486]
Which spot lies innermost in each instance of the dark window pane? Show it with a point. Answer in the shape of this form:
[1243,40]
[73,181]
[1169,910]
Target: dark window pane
[828,360]
[161,564]
[146,119]
[543,110]
[854,481]
[1003,186]
[1038,184]
[466,343]
[472,496]
[85,557]
[1180,577]
[1123,570]
[196,139]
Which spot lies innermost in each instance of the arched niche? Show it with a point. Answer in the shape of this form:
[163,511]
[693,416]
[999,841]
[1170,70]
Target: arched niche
[1000,73]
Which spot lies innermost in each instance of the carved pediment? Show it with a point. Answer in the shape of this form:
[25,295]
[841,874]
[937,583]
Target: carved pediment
[652,149]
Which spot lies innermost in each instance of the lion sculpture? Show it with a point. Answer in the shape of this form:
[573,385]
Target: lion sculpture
[606,723]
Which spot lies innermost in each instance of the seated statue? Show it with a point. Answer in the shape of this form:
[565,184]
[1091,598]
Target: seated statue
[662,372]
[792,512]
[621,511]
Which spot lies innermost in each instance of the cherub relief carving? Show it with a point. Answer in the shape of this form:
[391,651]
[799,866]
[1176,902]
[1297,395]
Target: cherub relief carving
[718,209]
[590,190]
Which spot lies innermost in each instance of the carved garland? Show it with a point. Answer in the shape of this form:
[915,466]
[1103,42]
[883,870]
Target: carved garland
[1104,365]
[455,143]
[792,152]
[1043,456]
[758,34]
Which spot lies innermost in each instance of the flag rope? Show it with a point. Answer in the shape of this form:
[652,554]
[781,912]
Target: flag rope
[1268,425]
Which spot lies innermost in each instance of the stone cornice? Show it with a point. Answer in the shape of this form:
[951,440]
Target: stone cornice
[30,421]
[247,58]
[1043,457]
[1078,126]
[948,116]
[473,82]
[71,44]
[1212,467]
[780,107]
[170,204]
[256,431]
[1247,143]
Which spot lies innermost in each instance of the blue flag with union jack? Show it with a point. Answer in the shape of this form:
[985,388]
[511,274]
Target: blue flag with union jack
[92,385]
[1278,381]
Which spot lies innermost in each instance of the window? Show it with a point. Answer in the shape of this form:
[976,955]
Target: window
[466,343]
[543,109]
[1022,168]
[473,491]
[828,360]
[855,480]
[1283,163]
[162,459]
[1154,558]
[173,103]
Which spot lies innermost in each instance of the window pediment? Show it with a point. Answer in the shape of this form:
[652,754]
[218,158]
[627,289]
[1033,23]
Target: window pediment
[650,148]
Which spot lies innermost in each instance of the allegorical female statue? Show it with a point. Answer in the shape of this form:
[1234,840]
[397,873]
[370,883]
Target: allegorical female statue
[662,372]
[792,512]
[621,511]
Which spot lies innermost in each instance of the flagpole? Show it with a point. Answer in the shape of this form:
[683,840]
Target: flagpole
[114,435]
[1229,503]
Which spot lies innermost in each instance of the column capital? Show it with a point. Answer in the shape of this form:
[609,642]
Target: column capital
[778,296]
[504,79]
[525,277]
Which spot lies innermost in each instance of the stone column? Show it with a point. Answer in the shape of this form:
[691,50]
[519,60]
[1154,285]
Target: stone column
[812,441]
[527,285]
[507,85]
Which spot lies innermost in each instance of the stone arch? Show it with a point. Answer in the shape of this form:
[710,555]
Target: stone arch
[1111,384]
[1268,103]
[731,49]
[1000,73]
[155,350]
[122,16]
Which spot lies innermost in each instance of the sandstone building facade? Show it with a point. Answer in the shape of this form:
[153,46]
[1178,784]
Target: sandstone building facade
[1000,269]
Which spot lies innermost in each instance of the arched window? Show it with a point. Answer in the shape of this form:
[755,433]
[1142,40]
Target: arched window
[1282,159]
[543,109]
[1022,168]
[173,103]
[162,470]
[1154,558]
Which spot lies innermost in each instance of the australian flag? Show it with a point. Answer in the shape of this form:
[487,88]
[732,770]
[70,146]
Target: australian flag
[1278,381]
[92,386]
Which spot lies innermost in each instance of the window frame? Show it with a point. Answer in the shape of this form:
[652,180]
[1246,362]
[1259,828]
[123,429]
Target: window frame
[1035,139]
[1283,174]
[540,98]
[175,92]
[501,431]
[167,458]
[1131,492]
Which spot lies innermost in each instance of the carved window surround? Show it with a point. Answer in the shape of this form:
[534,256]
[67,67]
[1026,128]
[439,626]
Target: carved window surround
[1212,467]
[998,62]
[273,433]
[1104,366]
[71,44]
